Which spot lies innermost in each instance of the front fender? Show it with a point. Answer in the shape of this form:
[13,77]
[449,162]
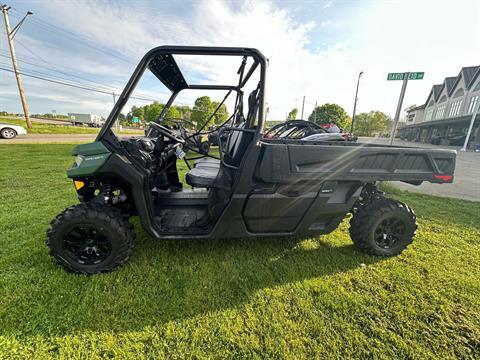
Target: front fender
[89,158]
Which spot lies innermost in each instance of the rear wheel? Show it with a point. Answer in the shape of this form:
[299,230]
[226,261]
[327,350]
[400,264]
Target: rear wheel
[384,227]
[8,133]
[90,238]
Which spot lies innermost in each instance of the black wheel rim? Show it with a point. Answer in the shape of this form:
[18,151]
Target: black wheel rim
[389,232]
[87,245]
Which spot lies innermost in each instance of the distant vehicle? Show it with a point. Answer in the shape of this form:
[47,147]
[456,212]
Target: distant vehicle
[301,129]
[91,120]
[334,129]
[9,131]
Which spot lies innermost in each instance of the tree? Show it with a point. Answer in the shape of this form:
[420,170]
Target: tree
[172,113]
[185,112]
[292,115]
[372,123]
[222,114]
[152,111]
[331,113]
[138,112]
[201,112]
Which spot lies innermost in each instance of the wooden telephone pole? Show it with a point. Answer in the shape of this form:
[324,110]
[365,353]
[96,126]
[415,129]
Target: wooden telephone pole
[10,35]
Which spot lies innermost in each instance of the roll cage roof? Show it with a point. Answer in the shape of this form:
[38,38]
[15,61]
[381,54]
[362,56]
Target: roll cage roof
[161,62]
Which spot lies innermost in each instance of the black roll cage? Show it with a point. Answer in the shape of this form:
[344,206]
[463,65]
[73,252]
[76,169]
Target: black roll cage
[162,64]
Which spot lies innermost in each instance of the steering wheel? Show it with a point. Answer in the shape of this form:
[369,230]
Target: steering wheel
[192,140]
[166,132]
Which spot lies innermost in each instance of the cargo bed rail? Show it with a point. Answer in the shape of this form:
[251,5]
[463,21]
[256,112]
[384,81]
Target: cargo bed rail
[288,161]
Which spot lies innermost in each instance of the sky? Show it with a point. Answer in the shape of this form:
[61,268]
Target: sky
[315,49]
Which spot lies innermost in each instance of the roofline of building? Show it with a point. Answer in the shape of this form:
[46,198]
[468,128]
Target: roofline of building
[459,77]
[474,77]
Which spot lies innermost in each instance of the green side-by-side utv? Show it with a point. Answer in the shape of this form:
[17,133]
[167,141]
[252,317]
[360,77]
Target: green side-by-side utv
[253,186]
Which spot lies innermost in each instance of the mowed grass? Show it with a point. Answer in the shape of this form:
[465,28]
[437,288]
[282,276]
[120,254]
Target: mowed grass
[40,128]
[233,298]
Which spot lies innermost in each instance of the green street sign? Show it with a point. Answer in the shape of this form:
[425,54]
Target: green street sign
[395,76]
[135,119]
[416,76]
[401,76]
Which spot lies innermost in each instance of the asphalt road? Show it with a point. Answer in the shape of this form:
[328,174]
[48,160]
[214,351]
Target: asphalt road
[466,184]
[40,121]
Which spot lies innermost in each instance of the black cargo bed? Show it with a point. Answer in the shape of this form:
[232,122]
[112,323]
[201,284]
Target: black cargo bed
[290,161]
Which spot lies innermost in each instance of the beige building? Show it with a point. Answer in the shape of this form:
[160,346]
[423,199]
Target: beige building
[446,115]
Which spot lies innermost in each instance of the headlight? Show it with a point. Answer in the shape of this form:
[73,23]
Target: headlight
[78,160]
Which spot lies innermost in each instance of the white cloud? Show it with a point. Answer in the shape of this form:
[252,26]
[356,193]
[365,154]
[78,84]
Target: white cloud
[382,38]
[326,23]
[328,4]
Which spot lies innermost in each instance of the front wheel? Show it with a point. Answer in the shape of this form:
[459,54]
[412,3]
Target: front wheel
[90,238]
[8,133]
[384,227]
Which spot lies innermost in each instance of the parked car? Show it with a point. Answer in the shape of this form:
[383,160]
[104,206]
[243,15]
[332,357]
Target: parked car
[334,129]
[9,131]
[301,129]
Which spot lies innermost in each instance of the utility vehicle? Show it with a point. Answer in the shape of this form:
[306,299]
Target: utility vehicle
[254,187]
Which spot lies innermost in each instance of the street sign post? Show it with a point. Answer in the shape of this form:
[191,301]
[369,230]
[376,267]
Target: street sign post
[405,77]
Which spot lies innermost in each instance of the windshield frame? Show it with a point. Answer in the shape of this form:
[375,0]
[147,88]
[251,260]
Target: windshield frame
[259,60]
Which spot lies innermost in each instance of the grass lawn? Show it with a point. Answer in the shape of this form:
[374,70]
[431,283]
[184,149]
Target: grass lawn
[39,128]
[233,298]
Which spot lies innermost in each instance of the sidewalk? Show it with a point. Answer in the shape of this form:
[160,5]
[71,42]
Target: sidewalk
[466,183]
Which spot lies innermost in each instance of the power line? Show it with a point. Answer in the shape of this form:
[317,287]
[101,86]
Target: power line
[94,90]
[53,67]
[82,87]
[104,87]
[69,77]
[73,85]
[85,41]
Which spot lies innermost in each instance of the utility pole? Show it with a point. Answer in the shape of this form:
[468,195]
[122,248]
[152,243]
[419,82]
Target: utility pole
[355,102]
[315,112]
[303,106]
[10,35]
[399,107]
[114,102]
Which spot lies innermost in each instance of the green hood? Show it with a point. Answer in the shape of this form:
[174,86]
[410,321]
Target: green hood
[89,158]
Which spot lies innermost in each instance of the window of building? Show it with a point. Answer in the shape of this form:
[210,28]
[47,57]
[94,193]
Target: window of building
[428,114]
[440,112]
[473,104]
[455,108]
